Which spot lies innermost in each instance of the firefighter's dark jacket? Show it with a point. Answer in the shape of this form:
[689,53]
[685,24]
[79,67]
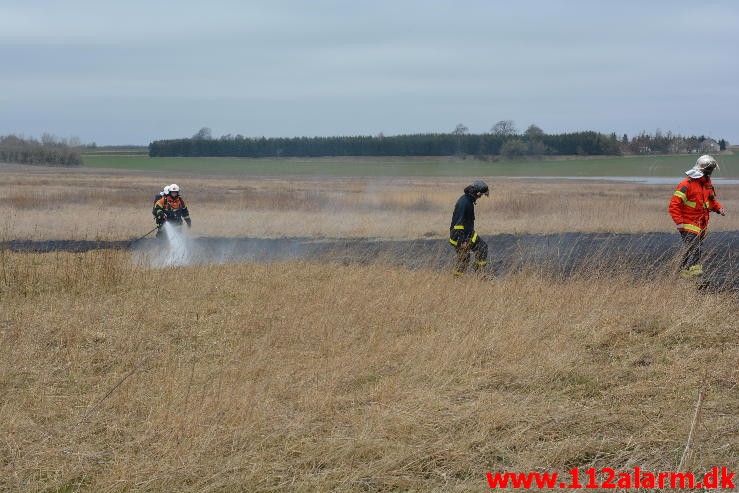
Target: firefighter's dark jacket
[463,220]
[157,197]
[172,210]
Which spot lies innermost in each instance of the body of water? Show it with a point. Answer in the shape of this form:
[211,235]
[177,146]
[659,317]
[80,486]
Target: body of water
[649,180]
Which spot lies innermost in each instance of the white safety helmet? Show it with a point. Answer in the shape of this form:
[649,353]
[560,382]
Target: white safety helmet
[174,187]
[704,165]
[165,191]
[705,160]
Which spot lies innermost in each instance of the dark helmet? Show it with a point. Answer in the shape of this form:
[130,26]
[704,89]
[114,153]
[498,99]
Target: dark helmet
[480,187]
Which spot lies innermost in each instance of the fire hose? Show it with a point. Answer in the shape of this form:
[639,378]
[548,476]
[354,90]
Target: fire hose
[143,236]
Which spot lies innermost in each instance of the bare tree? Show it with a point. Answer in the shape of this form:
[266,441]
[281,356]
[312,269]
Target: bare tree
[504,128]
[533,131]
[29,151]
[203,134]
[514,148]
[461,130]
[48,139]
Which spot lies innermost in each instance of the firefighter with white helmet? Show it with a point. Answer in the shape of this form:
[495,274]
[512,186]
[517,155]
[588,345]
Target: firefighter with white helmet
[171,208]
[690,208]
[462,234]
[163,193]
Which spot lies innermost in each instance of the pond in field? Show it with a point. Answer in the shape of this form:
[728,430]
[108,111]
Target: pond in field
[649,180]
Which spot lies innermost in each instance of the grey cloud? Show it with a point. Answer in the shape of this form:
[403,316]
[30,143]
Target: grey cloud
[337,67]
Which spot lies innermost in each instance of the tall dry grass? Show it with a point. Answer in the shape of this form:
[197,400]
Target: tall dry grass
[300,376]
[87,205]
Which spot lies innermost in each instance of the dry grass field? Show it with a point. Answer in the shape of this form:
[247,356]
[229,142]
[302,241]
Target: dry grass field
[309,377]
[302,376]
[83,204]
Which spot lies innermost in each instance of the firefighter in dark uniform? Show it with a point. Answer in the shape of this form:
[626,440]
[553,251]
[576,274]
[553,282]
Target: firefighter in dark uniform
[462,234]
[171,209]
[157,197]
[165,191]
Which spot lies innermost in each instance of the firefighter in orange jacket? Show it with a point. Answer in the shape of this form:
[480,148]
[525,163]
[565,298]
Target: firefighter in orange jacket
[690,207]
[172,209]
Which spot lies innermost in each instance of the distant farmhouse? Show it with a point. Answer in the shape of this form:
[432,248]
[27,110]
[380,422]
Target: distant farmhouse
[692,146]
[710,146]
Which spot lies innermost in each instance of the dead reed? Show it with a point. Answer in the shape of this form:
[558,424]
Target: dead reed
[86,205]
[303,376]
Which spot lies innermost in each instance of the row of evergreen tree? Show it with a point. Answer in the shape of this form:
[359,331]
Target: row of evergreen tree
[29,151]
[583,143]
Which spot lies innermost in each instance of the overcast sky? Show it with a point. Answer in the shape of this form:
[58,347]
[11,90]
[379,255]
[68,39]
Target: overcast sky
[129,72]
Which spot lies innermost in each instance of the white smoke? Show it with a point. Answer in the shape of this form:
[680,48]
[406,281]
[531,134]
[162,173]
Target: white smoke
[174,248]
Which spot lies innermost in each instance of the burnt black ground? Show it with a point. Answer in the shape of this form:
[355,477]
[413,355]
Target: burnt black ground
[559,255]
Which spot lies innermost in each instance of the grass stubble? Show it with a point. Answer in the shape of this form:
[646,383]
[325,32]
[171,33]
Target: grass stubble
[309,376]
[305,376]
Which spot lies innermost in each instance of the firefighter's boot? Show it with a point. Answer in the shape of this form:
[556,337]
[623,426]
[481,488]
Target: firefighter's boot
[694,271]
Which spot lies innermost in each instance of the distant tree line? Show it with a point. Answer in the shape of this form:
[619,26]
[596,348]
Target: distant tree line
[48,152]
[503,140]
[669,143]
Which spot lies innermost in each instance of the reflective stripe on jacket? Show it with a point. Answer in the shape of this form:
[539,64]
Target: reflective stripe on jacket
[174,209]
[692,202]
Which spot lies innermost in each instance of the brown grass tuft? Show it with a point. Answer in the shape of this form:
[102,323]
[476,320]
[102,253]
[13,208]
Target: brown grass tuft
[301,376]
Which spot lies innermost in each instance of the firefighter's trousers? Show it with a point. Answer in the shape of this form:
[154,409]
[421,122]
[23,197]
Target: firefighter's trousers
[690,265]
[480,249]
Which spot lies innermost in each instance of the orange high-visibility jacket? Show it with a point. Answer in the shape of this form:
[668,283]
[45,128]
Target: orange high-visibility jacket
[174,209]
[692,202]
